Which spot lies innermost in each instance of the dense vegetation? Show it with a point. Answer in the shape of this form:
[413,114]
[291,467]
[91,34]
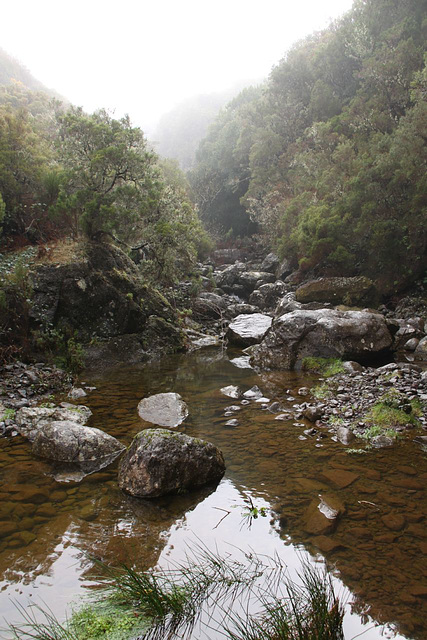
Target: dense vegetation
[329,158]
[68,173]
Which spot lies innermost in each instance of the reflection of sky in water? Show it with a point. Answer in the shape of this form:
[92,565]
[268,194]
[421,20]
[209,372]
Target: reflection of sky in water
[205,526]
[233,537]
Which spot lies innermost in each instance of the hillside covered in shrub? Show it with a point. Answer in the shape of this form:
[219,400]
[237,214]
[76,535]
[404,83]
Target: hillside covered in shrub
[328,158]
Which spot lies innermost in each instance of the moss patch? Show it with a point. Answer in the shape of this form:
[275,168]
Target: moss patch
[105,621]
[325,366]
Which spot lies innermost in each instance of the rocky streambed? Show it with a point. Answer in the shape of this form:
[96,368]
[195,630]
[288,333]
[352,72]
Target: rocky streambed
[336,463]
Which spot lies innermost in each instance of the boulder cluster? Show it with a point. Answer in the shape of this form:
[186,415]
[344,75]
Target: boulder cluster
[264,304]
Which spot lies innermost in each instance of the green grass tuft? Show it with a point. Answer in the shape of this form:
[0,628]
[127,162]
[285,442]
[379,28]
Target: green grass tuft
[202,591]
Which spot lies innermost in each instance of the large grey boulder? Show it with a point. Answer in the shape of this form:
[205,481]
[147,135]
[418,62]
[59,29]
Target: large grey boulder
[351,335]
[164,409]
[350,291]
[68,441]
[160,461]
[288,303]
[248,329]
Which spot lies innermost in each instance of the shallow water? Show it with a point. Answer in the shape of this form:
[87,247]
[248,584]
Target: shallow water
[49,530]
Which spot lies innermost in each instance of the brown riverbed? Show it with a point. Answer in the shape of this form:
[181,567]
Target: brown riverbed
[49,530]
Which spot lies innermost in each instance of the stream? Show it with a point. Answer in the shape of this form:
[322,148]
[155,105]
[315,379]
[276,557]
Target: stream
[53,528]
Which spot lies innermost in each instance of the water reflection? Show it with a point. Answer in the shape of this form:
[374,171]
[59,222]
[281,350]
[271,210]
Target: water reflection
[46,524]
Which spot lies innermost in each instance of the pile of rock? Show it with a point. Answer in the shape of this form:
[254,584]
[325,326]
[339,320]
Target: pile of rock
[326,317]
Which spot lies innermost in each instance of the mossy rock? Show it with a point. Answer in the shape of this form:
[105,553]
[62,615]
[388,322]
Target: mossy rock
[357,291]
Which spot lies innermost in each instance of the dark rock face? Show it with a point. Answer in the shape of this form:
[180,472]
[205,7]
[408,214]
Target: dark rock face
[102,296]
[350,291]
[71,442]
[164,409]
[230,276]
[322,333]
[160,461]
[246,330]
[288,304]
[251,280]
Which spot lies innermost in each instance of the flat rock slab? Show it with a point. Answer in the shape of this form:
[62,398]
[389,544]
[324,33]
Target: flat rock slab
[248,329]
[164,409]
[340,477]
[160,462]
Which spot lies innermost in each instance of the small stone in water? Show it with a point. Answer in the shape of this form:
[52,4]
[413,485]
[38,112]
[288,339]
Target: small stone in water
[253,394]
[231,391]
[232,423]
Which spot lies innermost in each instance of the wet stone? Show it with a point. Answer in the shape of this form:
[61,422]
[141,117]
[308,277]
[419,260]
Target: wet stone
[406,483]
[418,591]
[253,394]
[7,528]
[340,477]
[47,511]
[231,391]
[344,435]
[385,538]
[326,544]
[362,533]
[393,521]
[232,423]
[27,537]
[322,515]
[88,513]
[409,471]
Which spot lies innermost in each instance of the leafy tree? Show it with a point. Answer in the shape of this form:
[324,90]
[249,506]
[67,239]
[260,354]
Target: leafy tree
[114,184]
[24,157]
[111,175]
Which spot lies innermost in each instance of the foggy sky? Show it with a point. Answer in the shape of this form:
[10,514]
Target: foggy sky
[143,57]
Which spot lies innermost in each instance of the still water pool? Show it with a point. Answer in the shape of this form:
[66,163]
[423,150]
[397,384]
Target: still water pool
[49,530]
